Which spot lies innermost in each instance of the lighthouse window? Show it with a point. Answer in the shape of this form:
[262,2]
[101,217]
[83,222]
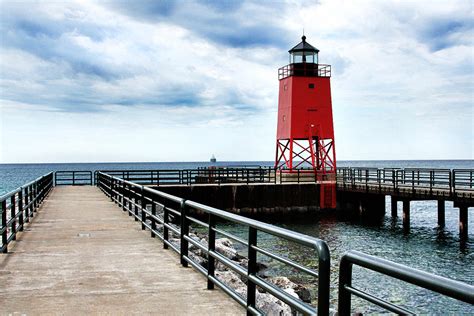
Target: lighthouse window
[311,86]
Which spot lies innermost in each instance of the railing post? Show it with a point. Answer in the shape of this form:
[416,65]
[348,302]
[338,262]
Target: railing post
[165,229]
[33,196]
[379,175]
[211,247]
[431,181]
[111,189]
[345,279]
[143,205]
[452,182]
[343,178]
[27,213]
[367,180]
[30,192]
[120,194]
[73,178]
[20,208]
[124,199]
[184,232]
[136,201]
[41,190]
[353,177]
[252,267]
[3,209]
[37,196]
[394,179]
[152,219]
[13,215]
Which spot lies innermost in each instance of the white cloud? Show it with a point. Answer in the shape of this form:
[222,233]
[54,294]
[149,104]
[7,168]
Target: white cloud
[87,79]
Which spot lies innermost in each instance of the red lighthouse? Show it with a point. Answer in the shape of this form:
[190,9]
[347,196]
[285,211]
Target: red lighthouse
[305,132]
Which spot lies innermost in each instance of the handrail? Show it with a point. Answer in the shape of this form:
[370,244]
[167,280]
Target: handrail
[455,289]
[19,205]
[456,183]
[420,177]
[304,69]
[73,177]
[144,204]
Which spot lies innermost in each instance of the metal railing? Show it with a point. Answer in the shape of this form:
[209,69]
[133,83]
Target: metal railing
[196,176]
[451,288]
[463,180]
[82,177]
[156,211]
[430,182]
[215,176]
[18,206]
[304,69]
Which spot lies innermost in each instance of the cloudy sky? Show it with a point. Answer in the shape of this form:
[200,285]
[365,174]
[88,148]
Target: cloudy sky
[145,80]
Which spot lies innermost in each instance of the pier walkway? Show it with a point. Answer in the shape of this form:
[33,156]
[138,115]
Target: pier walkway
[80,254]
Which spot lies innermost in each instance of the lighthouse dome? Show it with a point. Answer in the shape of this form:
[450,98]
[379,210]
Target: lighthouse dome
[304,52]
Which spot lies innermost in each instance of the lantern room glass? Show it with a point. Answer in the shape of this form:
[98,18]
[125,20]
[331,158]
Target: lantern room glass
[303,57]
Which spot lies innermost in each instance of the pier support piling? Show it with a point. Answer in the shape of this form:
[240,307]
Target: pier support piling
[394,206]
[406,215]
[463,220]
[441,213]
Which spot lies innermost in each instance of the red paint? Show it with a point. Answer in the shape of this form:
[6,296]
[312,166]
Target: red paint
[305,132]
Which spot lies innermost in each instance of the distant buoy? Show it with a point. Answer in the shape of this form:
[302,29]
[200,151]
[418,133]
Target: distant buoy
[213,158]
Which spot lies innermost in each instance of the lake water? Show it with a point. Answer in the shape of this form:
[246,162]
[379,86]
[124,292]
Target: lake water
[426,247]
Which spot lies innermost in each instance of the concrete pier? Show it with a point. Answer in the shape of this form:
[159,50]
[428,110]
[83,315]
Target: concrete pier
[463,221]
[81,255]
[394,206]
[259,199]
[441,213]
[406,215]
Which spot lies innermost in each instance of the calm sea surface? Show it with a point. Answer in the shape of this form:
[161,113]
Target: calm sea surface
[426,247]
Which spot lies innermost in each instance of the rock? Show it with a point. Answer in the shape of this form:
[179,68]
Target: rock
[225,247]
[175,241]
[284,283]
[261,266]
[233,280]
[270,305]
[199,260]
[303,293]
[225,242]
[191,245]
[220,266]
[291,292]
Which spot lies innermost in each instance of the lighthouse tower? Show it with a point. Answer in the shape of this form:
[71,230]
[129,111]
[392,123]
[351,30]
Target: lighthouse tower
[305,133]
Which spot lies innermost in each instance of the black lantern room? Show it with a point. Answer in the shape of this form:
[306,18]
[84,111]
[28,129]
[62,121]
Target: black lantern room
[304,53]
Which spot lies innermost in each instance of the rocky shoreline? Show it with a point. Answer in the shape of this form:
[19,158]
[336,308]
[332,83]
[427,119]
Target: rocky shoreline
[266,302]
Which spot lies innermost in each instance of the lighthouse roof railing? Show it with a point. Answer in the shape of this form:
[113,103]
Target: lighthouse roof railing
[304,70]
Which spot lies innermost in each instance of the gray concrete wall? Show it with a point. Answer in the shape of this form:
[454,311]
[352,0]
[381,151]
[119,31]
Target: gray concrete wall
[277,199]
[253,199]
